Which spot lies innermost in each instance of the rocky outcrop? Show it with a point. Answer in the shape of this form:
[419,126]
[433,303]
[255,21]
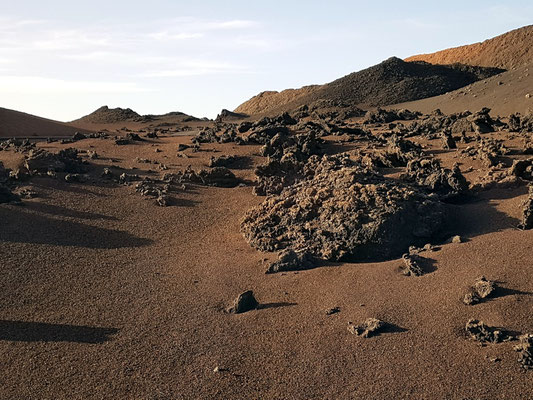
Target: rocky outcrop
[342,210]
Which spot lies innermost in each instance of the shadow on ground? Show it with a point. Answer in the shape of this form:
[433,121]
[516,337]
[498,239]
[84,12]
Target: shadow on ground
[21,331]
[20,226]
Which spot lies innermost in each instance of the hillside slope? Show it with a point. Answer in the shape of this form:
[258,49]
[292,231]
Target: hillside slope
[269,100]
[19,124]
[391,81]
[510,50]
[509,92]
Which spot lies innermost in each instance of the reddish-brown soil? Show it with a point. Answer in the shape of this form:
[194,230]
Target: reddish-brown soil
[506,93]
[103,295]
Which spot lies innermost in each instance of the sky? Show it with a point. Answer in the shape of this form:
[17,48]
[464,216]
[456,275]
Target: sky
[62,59]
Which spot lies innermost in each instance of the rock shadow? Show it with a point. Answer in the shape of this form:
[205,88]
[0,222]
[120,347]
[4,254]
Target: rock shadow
[62,211]
[22,331]
[476,218]
[20,226]
[266,306]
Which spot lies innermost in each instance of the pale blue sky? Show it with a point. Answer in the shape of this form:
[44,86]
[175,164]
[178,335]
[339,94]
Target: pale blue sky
[63,59]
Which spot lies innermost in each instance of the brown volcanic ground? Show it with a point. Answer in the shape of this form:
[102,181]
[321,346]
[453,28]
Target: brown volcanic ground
[510,50]
[103,294]
[19,124]
[506,93]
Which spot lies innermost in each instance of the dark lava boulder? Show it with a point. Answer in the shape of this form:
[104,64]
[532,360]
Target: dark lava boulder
[344,213]
[290,260]
[246,301]
[429,174]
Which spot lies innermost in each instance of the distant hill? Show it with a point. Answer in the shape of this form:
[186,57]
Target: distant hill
[392,81]
[19,124]
[510,50]
[106,115]
[113,118]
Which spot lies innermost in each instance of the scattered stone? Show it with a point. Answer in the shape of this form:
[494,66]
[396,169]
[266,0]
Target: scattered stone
[333,310]
[521,123]
[78,136]
[163,201]
[125,178]
[483,333]
[290,260]
[182,147]
[370,327]
[481,289]
[224,161]
[429,174]
[217,176]
[525,349]
[134,137]
[92,154]
[448,142]
[122,142]
[41,161]
[243,303]
[522,169]
[385,116]
[107,174]
[411,266]
[457,239]
[27,193]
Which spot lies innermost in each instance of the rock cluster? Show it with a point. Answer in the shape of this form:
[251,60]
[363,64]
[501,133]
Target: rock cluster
[385,116]
[525,349]
[40,161]
[479,122]
[488,151]
[521,123]
[429,174]
[217,176]
[341,210]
